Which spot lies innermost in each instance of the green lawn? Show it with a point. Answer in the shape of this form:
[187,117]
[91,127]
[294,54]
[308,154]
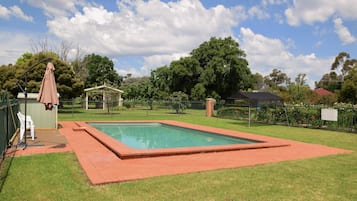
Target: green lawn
[60,177]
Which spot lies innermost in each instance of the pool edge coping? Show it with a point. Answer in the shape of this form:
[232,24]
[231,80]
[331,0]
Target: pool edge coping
[124,152]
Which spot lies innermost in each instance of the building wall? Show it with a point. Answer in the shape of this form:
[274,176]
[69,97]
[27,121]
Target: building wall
[42,118]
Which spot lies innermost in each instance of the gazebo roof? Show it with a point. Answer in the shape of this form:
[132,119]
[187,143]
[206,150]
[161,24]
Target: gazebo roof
[104,86]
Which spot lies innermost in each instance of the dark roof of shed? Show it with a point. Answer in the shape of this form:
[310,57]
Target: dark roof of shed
[265,96]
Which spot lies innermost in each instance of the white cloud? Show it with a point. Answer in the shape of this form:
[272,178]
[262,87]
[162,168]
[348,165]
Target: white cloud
[154,61]
[4,12]
[343,33]
[57,8]
[14,11]
[146,27]
[255,11]
[273,2]
[264,54]
[309,12]
[17,12]
[131,70]
[13,45]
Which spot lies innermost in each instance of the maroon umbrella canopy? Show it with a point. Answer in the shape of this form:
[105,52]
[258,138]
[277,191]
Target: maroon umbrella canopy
[48,92]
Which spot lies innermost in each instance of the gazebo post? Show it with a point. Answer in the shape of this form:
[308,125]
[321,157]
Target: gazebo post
[249,116]
[86,100]
[104,99]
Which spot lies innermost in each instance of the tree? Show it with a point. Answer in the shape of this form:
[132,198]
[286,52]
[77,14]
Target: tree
[349,88]
[79,67]
[68,85]
[184,74]
[224,67]
[24,57]
[276,79]
[343,63]
[340,68]
[257,81]
[8,79]
[160,79]
[198,92]
[179,101]
[299,91]
[100,71]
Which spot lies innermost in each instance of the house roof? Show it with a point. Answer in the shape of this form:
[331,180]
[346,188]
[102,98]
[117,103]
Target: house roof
[322,92]
[256,96]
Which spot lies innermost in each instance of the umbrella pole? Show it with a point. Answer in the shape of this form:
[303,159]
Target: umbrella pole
[24,143]
[25,93]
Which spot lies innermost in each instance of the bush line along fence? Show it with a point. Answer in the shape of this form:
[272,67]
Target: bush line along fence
[295,115]
[8,122]
[292,115]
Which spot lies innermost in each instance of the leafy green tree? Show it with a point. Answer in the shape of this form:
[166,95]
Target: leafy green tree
[198,92]
[134,87]
[224,67]
[184,74]
[160,79]
[8,79]
[276,79]
[179,101]
[217,68]
[343,63]
[80,69]
[349,88]
[68,85]
[24,57]
[340,68]
[299,90]
[100,70]
[257,81]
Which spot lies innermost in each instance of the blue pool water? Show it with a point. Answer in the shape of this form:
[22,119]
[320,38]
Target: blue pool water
[157,135]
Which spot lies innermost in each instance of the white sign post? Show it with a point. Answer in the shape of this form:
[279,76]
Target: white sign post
[329,114]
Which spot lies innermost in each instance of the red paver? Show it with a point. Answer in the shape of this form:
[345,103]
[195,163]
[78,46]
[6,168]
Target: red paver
[102,166]
[42,150]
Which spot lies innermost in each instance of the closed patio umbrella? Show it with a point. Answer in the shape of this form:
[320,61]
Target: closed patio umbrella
[48,92]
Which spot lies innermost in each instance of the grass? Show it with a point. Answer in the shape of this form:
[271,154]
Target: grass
[60,177]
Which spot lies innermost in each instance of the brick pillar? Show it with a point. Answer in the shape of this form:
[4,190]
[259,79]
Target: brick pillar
[210,106]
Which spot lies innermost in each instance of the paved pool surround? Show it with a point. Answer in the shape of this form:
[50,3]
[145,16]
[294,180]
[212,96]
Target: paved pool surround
[125,152]
[105,160]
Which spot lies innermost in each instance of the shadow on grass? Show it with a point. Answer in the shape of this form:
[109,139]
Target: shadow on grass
[69,112]
[246,124]
[5,165]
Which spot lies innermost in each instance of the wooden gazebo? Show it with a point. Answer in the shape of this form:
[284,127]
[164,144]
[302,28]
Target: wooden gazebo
[104,90]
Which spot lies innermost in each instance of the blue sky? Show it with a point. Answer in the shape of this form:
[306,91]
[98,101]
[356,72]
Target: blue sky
[301,36]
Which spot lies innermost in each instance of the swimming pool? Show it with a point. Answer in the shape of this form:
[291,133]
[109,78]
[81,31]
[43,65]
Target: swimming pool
[126,151]
[158,135]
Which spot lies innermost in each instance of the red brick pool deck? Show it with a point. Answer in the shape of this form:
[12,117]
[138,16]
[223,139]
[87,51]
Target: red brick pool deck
[102,165]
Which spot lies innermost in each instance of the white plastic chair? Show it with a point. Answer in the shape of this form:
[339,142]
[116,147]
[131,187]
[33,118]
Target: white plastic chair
[29,125]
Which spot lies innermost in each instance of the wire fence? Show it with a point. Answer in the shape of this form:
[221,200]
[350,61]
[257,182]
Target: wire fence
[68,106]
[309,116]
[8,121]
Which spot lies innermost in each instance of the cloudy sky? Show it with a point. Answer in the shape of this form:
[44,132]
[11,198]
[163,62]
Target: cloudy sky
[300,36]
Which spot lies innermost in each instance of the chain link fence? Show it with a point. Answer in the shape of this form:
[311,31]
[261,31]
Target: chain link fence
[143,107]
[308,116]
